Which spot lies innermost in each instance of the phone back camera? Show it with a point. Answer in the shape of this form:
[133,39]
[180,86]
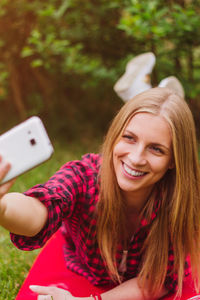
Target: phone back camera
[33,142]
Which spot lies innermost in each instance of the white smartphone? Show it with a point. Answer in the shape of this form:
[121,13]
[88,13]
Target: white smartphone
[25,146]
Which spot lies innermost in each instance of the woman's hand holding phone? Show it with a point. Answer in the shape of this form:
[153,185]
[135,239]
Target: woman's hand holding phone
[22,148]
[25,146]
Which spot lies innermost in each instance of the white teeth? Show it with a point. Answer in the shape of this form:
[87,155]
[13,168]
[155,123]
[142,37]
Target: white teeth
[132,172]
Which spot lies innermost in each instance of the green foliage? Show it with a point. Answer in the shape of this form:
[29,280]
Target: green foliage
[145,20]
[62,57]
[52,45]
[170,31]
[61,61]
[3,80]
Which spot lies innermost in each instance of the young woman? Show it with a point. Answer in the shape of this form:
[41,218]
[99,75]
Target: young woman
[131,215]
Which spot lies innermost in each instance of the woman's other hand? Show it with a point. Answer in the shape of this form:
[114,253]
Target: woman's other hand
[51,293]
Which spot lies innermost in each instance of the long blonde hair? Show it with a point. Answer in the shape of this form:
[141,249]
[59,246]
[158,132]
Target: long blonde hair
[178,221]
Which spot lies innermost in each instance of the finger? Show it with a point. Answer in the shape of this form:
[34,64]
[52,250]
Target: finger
[39,289]
[50,291]
[5,167]
[44,297]
[4,188]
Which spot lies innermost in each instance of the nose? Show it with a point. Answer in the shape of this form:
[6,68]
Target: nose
[137,156]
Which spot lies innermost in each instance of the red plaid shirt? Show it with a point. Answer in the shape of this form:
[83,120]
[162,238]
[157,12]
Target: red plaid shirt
[71,196]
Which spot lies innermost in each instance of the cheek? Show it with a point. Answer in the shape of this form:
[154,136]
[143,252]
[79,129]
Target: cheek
[120,148]
[160,165]
[117,150]
[117,154]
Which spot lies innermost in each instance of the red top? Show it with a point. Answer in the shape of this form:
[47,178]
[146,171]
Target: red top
[71,196]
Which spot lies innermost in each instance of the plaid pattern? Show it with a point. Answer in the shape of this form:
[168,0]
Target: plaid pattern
[71,196]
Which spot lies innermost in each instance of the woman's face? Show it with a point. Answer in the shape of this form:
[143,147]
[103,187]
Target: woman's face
[143,154]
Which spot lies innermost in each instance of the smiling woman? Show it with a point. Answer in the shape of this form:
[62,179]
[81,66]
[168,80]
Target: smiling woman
[151,148]
[130,215]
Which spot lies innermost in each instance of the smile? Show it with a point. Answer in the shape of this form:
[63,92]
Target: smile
[133,172]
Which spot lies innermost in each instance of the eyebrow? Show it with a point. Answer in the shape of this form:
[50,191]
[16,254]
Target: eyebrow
[155,144]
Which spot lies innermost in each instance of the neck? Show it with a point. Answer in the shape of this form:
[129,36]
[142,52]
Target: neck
[135,202]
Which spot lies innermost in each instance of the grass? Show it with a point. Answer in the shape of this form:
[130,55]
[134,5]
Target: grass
[14,263]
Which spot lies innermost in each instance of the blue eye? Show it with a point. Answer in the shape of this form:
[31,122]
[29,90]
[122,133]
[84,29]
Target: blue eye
[128,137]
[157,149]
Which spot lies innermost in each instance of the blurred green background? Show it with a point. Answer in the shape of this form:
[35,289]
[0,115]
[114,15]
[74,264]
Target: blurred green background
[59,59]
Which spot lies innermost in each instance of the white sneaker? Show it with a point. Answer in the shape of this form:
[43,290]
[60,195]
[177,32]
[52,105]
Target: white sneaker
[136,78]
[174,84]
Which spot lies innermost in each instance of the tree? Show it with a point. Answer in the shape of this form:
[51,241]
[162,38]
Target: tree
[53,52]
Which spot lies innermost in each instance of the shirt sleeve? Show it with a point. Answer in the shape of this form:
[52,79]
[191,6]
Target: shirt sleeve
[59,195]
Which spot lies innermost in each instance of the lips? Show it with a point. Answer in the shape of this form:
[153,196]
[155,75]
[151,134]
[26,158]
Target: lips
[133,173]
